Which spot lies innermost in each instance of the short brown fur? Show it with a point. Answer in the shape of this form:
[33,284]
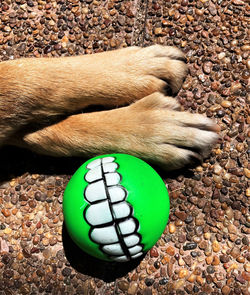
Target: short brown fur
[35,93]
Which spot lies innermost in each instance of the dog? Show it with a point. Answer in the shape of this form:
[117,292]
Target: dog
[42,103]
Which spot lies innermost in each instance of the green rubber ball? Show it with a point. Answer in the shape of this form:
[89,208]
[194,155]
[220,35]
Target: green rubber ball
[115,207]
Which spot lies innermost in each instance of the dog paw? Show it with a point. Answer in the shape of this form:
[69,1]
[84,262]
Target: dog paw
[169,137]
[163,67]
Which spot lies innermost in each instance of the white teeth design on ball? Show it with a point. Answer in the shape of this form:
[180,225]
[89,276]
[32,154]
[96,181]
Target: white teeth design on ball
[117,194]
[94,214]
[90,193]
[113,225]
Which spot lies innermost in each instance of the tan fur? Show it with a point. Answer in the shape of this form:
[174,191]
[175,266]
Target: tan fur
[39,90]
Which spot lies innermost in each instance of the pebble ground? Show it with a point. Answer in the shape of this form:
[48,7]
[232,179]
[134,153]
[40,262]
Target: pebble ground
[205,247]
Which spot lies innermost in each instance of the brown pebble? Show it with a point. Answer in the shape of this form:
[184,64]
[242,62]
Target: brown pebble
[246,276]
[132,288]
[216,246]
[183,273]
[225,290]
[247,267]
[52,241]
[247,172]
[216,260]
[123,285]
[154,252]
[240,259]
[209,259]
[200,280]
[226,103]
[170,269]
[170,250]
[172,228]
[232,228]
[181,215]
[158,31]
[207,66]
[6,212]
[45,241]
[235,252]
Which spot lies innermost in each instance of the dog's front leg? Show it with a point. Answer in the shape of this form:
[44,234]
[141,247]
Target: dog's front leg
[151,129]
[33,89]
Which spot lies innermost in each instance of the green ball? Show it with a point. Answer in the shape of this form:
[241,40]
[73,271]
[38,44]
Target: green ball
[115,207]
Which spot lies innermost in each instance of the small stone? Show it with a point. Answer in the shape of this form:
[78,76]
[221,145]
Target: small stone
[246,276]
[240,259]
[235,252]
[209,259]
[189,219]
[170,269]
[189,246]
[210,269]
[200,280]
[225,290]
[219,276]
[183,273]
[36,240]
[7,231]
[6,212]
[216,246]
[181,262]
[235,87]
[170,250]
[158,31]
[66,272]
[188,259]
[181,215]
[45,241]
[149,282]
[226,104]
[207,67]
[212,9]
[232,228]
[246,172]
[224,258]
[52,241]
[216,261]
[191,278]
[154,252]
[238,2]
[245,240]
[247,267]
[132,288]
[172,228]
[163,281]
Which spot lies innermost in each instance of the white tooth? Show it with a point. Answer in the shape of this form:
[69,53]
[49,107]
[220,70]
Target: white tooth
[132,240]
[98,214]
[104,235]
[120,258]
[95,192]
[134,250]
[121,210]
[117,194]
[93,164]
[137,255]
[94,174]
[109,167]
[114,249]
[108,159]
[127,226]
[112,178]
